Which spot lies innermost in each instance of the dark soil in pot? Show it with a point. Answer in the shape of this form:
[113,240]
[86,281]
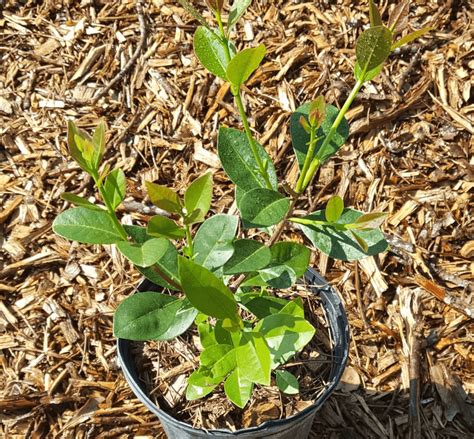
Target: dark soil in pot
[163,367]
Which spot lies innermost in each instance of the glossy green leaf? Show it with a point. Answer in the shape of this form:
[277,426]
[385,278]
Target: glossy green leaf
[168,263]
[285,335]
[236,11]
[373,47]
[287,382]
[294,307]
[198,197]
[146,254]
[183,319]
[248,256]
[213,241]
[371,220]
[98,140]
[195,389]
[263,207]
[114,187]
[300,138]
[243,64]
[144,316]
[340,244]
[239,163]
[361,241]
[87,226]
[213,353]
[253,358]
[211,51]
[238,389]
[163,197]
[411,37]
[80,201]
[289,261]
[80,146]
[162,226]
[375,18]
[206,292]
[369,75]
[334,209]
[262,306]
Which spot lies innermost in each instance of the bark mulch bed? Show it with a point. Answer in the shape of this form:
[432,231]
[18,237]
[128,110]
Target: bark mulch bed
[409,153]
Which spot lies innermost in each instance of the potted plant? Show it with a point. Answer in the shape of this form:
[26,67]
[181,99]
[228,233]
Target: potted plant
[203,273]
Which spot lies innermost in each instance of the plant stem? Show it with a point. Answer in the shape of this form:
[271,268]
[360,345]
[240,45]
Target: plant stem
[251,140]
[109,207]
[189,239]
[315,163]
[307,161]
[240,106]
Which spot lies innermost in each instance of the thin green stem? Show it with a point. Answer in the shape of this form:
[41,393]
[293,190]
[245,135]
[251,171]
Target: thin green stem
[307,161]
[315,163]
[109,207]
[251,140]
[240,106]
[189,240]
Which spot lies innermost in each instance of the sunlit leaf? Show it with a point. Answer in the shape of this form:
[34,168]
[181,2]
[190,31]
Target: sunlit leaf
[243,64]
[411,37]
[80,201]
[334,209]
[211,51]
[373,47]
[114,187]
[163,197]
[287,382]
[263,207]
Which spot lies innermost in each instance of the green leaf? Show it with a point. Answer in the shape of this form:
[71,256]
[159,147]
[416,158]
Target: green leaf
[334,209]
[98,140]
[213,353]
[369,75]
[163,197]
[339,244]
[146,254]
[244,64]
[207,335]
[87,226]
[182,320]
[371,220]
[238,389]
[316,113]
[206,292]
[362,244]
[373,47]
[285,335]
[144,316]
[115,186]
[410,37]
[236,11]
[81,202]
[375,18]
[198,197]
[300,138]
[213,241]
[162,226]
[290,261]
[262,306]
[195,389]
[78,142]
[263,207]
[287,382]
[249,256]
[294,307]
[211,51]
[168,263]
[238,161]
[253,358]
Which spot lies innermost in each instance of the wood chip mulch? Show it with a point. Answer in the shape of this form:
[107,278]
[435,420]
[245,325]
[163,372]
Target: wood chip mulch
[409,153]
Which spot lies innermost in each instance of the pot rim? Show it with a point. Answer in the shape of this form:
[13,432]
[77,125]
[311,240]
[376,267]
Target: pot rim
[339,331]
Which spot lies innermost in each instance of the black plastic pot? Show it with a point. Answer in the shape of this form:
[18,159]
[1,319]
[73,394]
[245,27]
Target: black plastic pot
[294,427]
